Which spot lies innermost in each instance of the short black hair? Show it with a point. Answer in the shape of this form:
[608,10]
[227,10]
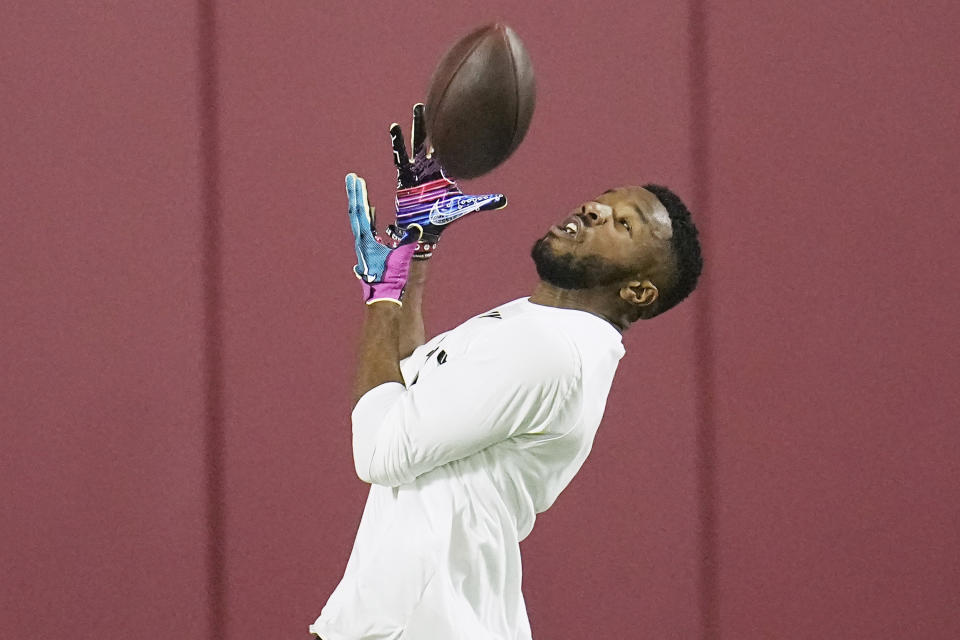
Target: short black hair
[685,245]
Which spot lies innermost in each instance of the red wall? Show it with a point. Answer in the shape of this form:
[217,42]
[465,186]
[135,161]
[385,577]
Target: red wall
[833,184]
[779,456]
[102,531]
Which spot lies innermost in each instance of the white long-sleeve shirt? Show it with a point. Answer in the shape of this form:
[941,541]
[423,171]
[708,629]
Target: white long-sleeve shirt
[495,418]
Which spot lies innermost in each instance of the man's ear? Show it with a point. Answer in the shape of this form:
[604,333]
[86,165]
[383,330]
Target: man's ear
[641,293]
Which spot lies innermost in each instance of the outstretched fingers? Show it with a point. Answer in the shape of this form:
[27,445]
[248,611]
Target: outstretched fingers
[353,210]
[358,222]
[362,222]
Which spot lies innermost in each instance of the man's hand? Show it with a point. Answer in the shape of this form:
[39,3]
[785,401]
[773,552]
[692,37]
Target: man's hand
[382,270]
[425,196]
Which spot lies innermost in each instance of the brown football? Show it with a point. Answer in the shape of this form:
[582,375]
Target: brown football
[480,101]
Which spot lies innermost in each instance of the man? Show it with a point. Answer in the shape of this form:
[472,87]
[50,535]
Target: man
[465,438]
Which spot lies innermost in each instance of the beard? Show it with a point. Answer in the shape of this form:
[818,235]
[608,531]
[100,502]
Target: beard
[574,272]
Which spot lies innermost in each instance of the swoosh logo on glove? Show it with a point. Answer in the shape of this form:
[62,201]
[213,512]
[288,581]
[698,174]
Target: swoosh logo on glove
[457,207]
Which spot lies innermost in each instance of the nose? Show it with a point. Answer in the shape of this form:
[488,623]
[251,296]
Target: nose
[596,213]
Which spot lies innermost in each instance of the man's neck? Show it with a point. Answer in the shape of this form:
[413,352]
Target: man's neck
[592,301]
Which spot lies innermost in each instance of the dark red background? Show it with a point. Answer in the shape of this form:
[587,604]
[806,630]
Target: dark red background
[780,456]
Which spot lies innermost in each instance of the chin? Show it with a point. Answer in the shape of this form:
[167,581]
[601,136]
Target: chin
[565,270]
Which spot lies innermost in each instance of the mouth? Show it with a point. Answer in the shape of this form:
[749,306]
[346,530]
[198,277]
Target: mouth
[570,228]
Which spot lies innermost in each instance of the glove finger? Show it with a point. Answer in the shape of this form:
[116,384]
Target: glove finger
[418,133]
[369,210]
[356,215]
[499,202]
[400,157]
[352,209]
[363,213]
[364,209]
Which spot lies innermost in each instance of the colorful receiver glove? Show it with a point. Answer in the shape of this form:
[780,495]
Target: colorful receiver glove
[382,270]
[425,196]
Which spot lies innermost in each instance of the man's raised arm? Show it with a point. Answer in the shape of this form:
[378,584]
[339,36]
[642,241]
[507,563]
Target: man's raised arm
[383,273]
[430,200]
[390,271]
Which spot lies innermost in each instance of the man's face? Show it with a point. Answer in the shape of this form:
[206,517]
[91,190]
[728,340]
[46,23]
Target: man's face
[622,234]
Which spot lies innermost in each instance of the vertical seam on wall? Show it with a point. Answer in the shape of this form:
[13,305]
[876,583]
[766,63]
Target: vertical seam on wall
[214,440]
[707,491]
